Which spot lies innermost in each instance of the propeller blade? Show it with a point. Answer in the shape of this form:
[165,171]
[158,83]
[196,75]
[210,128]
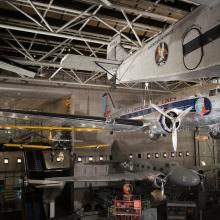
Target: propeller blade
[174,137]
[162,189]
[161,111]
[165,178]
[183,113]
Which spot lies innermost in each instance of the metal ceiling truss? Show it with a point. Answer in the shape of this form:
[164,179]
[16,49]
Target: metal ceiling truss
[38,34]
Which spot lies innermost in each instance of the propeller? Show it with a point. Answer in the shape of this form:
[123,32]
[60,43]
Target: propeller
[161,182]
[174,121]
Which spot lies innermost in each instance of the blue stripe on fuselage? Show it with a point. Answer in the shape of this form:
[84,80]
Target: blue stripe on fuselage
[182,104]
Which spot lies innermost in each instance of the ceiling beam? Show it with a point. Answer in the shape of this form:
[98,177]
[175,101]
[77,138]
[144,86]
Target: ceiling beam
[67,84]
[52,34]
[71,12]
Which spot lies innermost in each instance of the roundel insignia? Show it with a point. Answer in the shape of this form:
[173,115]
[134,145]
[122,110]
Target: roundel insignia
[203,106]
[161,53]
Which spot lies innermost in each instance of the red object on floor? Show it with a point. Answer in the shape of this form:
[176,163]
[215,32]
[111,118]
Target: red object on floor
[129,208]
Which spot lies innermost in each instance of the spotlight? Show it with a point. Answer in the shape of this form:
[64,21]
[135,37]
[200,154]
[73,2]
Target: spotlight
[180,154]
[79,159]
[156,155]
[19,160]
[187,153]
[164,155]
[5,161]
[148,156]
[203,163]
[130,156]
[58,159]
[90,158]
[101,158]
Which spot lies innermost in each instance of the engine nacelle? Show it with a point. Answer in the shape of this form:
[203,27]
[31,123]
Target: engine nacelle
[166,123]
[156,178]
[215,132]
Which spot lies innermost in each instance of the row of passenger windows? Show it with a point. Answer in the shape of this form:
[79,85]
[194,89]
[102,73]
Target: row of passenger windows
[140,155]
[148,167]
[161,155]
[6,160]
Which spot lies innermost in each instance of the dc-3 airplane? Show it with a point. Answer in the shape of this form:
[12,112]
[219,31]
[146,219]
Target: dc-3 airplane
[180,110]
[189,49]
[198,106]
[157,173]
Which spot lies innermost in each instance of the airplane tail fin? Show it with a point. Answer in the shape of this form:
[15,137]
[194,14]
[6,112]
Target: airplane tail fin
[107,104]
[117,154]
[115,51]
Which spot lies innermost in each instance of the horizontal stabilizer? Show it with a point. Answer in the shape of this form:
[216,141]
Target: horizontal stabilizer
[87,63]
[12,66]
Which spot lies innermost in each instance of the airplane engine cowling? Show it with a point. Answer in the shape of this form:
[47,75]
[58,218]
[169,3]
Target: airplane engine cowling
[166,123]
[156,179]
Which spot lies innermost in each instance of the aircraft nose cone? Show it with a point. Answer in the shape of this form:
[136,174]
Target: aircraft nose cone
[195,179]
[182,176]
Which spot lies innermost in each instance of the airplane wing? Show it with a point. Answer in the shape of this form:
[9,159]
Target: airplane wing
[87,63]
[46,183]
[116,177]
[16,68]
[104,162]
[116,124]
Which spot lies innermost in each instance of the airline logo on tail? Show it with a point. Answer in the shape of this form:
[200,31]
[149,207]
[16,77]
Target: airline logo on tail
[107,104]
[161,54]
[203,106]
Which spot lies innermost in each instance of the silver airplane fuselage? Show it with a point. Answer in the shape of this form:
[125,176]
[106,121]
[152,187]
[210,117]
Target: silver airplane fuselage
[176,174]
[205,112]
